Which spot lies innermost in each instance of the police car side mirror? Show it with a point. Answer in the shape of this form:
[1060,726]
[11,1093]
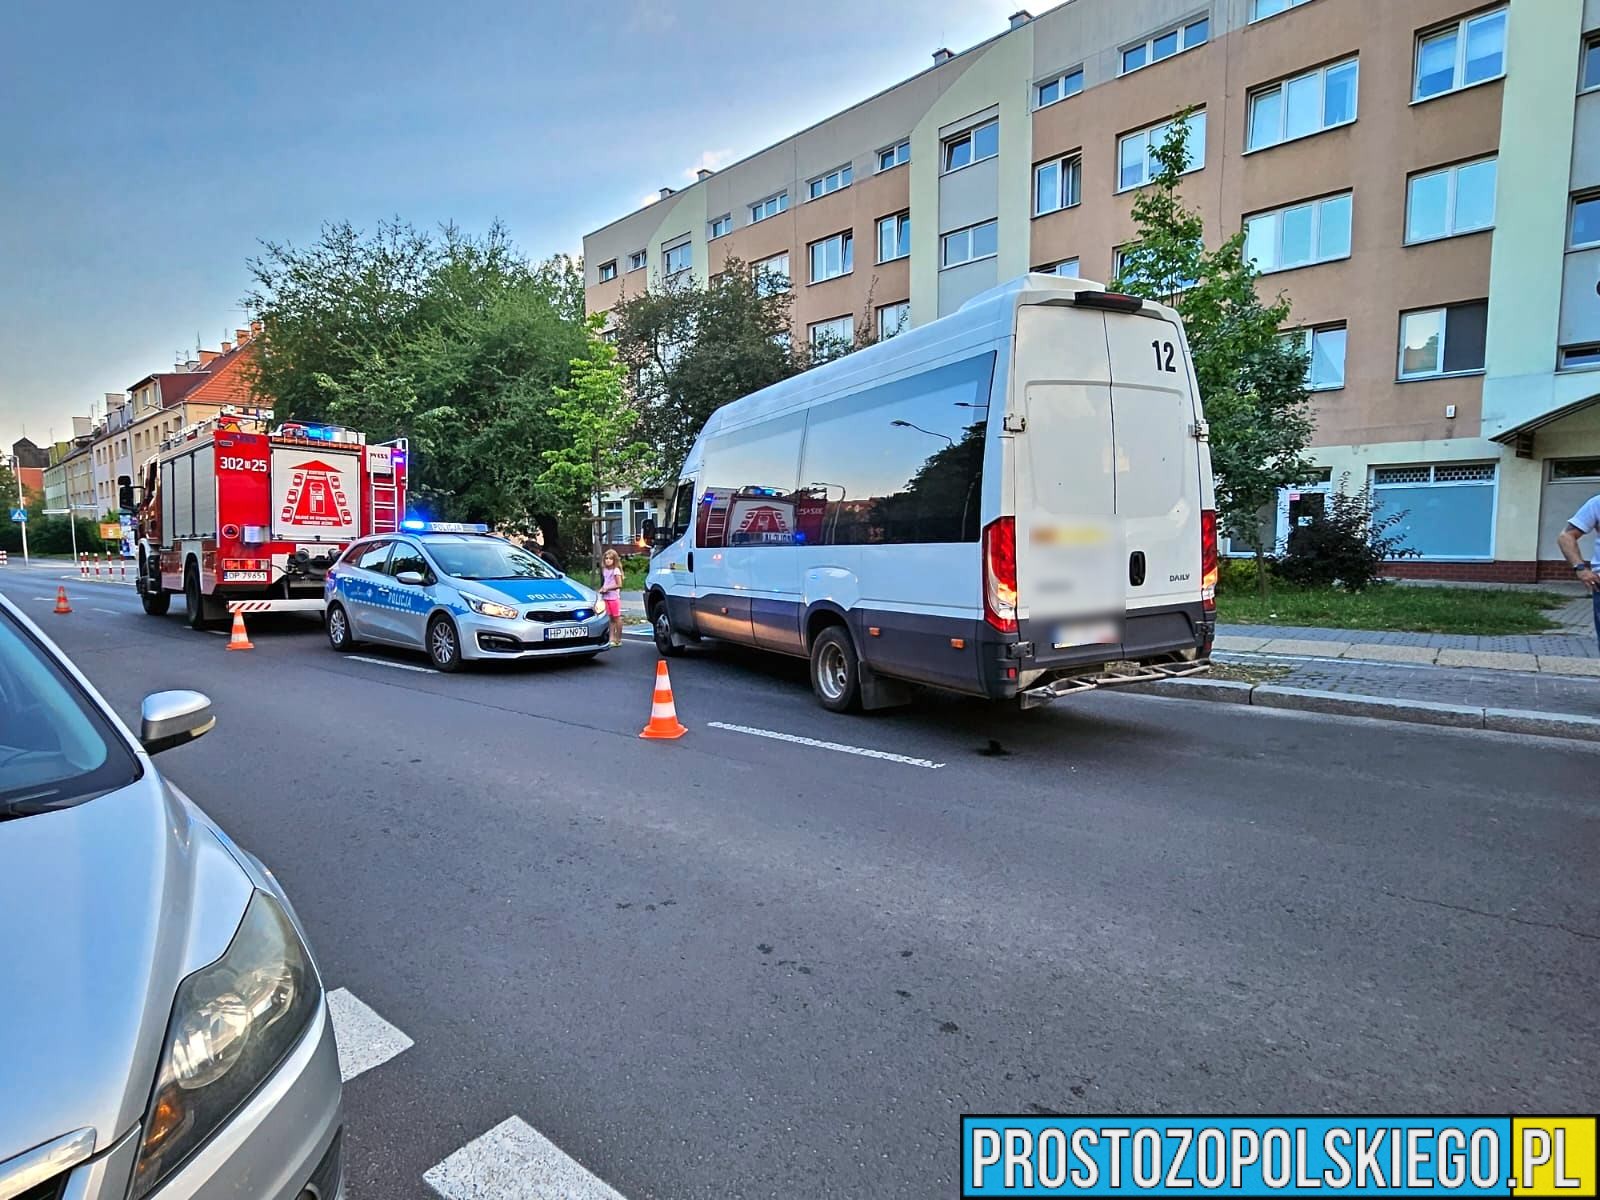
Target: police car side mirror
[410,578]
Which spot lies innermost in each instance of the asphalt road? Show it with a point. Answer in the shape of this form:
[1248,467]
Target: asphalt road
[734,966]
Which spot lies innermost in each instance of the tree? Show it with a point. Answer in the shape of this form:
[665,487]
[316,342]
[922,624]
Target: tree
[1252,381]
[690,350]
[451,341]
[595,423]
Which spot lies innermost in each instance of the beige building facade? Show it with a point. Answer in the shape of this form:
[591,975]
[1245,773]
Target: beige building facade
[1396,170]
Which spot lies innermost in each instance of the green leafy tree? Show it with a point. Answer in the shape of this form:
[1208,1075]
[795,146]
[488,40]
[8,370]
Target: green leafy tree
[1252,381]
[595,422]
[690,350]
[454,342]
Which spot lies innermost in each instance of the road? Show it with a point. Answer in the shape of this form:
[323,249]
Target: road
[736,966]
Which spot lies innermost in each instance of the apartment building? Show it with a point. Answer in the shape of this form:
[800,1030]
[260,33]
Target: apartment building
[1447,297]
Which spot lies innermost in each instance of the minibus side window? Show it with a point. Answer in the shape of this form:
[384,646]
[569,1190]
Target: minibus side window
[683,508]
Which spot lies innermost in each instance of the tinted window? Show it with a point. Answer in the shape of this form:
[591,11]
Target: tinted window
[373,555]
[750,498]
[683,508]
[898,463]
[407,557]
[1465,326]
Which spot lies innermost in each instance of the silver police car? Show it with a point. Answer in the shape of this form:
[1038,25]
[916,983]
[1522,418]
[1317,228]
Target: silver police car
[459,593]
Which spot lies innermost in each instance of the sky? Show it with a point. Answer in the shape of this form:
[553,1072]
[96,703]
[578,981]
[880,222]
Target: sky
[146,150]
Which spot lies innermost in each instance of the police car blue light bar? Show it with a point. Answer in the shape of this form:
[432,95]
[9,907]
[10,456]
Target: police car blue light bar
[442,527]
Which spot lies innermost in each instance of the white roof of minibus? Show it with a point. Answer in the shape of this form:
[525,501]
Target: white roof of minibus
[981,321]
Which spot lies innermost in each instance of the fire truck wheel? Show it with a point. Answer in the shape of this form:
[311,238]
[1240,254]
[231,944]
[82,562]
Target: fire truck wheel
[444,644]
[152,596]
[339,636]
[197,610]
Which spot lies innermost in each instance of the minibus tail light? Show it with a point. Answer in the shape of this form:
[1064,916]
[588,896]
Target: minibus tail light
[1000,574]
[1208,558]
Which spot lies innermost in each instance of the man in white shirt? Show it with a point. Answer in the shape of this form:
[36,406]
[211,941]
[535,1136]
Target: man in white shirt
[1585,521]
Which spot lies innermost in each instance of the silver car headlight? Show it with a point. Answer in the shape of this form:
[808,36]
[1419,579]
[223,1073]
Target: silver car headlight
[489,608]
[232,1023]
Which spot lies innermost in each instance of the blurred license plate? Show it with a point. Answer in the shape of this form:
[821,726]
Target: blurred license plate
[561,633]
[1086,633]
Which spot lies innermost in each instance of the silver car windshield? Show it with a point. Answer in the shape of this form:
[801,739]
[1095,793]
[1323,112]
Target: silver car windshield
[56,748]
[488,559]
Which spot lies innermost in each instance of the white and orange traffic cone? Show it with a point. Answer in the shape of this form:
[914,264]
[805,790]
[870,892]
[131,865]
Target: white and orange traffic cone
[61,601]
[663,713]
[239,640]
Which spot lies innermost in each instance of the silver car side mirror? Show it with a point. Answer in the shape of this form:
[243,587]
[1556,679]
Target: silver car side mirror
[168,719]
[410,578]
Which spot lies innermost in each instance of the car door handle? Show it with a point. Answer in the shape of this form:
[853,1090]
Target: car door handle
[1136,568]
[691,561]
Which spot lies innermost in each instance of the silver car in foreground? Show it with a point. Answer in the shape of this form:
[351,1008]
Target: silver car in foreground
[165,1032]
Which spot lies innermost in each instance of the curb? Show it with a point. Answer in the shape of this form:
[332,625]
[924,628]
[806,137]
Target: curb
[1572,726]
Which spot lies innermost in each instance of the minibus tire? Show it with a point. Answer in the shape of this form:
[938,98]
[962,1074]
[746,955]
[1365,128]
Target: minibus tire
[661,630]
[835,670]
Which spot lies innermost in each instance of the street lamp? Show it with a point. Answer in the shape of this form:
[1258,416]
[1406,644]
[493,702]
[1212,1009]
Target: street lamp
[920,429]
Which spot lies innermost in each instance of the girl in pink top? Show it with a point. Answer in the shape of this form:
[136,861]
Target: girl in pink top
[611,592]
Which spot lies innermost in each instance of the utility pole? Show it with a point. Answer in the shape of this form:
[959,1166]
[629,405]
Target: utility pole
[16,471]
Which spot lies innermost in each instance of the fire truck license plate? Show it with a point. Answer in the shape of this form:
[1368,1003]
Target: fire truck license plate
[245,577]
[558,633]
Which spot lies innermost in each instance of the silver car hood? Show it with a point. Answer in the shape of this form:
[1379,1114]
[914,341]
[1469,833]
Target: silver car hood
[109,905]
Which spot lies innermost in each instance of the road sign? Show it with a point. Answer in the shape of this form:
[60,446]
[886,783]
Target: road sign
[110,531]
[54,512]
[19,515]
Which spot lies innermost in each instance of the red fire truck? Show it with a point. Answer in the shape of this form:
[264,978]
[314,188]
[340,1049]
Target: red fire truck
[234,509]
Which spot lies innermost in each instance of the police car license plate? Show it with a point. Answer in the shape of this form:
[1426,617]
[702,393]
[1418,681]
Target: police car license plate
[560,633]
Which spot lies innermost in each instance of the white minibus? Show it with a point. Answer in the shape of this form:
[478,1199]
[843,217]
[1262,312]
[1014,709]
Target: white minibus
[1013,501]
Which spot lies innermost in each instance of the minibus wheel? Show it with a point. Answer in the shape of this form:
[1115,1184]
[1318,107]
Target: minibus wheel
[835,670]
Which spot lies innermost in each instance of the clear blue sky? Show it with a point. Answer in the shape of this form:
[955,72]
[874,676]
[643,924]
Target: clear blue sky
[147,149]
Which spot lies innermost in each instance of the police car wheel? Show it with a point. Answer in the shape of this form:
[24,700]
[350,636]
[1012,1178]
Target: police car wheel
[661,627]
[835,670]
[339,636]
[444,644]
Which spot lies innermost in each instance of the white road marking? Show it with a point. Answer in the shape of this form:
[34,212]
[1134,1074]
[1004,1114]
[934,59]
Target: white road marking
[820,745]
[384,662]
[514,1161]
[643,631]
[365,1039]
[108,611]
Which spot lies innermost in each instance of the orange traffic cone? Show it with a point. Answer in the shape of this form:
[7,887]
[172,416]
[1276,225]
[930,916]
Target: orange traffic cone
[61,601]
[240,639]
[663,714]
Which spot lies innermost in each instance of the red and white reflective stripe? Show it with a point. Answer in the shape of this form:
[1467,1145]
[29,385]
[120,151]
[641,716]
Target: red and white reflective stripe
[83,564]
[235,606]
[661,705]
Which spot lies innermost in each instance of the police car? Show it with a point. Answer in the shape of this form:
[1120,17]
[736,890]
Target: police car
[459,593]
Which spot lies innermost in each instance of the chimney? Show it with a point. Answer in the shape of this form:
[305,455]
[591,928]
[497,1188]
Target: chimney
[227,348]
[241,336]
[207,357]
[665,192]
[702,175]
[1020,18]
[941,56]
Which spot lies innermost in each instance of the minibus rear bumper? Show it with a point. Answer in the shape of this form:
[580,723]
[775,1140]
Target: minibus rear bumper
[1169,640]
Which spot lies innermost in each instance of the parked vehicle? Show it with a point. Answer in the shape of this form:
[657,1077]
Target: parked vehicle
[233,508]
[1001,502]
[165,1028]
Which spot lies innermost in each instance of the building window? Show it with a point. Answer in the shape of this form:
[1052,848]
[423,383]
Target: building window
[894,237]
[1573,357]
[831,182]
[1443,341]
[1067,267]
[1318,231]
[644,510]
[1451,201]
[974,145]
[611,521]
[1165,45]
[1448,507]
[770,207]
[893,319]
[1126,268]
[1323,347]
[1574,470]
[608,271]
[722,226]
[771,275]
[1306,104]
[1460,55]
[1136,161]
[1591,64]
[1058,88]
[1585,228]
[970,244]
[676,259]
[832,257]
[831,338]
[893,156]
[1260,10]
[1057,184]
[636,260]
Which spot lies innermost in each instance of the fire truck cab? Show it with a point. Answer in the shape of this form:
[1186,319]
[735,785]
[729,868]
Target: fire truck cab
[238,513]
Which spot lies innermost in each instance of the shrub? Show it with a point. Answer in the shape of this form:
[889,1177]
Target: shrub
[1347,545]
[1237,574]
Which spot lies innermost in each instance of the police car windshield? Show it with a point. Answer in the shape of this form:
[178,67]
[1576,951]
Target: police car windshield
[487,558]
